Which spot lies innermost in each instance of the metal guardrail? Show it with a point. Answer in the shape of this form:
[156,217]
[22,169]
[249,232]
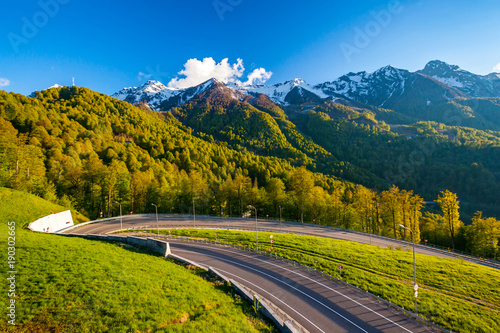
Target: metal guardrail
[437,248]
[275,310]
[491,263]
[278,316]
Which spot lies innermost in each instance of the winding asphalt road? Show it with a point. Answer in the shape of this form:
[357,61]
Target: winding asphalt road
[183,221]
[316,302]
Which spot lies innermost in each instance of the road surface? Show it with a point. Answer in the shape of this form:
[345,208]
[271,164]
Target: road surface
[317,303]
[183,221]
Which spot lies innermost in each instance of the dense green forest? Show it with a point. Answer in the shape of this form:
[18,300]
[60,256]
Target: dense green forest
[426,157]
[87,150]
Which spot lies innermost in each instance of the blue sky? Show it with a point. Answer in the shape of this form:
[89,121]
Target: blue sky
[105,45]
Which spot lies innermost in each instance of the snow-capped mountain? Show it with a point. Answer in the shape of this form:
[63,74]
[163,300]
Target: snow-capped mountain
[391,88]
[212,90]
[295,91]
[387,87]
[152,92]
[159,97]
[472,84]
[370,88]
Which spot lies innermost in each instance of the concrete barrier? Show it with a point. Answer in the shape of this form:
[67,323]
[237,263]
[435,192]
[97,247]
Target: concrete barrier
[52,223]
[155,245]
[97,237]
[117,238]
[158,246]
[137,241]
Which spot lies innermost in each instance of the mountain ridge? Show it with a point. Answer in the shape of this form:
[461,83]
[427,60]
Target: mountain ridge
[387,87]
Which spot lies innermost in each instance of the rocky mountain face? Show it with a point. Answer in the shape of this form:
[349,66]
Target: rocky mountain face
[295,91]
[151,92]
[391,88]
[469,83]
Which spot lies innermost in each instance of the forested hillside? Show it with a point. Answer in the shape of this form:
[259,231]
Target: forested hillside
[88,150]
[426,156]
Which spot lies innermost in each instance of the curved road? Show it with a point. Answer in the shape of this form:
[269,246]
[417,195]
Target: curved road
[317,303]
[183,221]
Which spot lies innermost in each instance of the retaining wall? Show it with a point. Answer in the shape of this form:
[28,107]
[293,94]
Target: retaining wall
[53,222]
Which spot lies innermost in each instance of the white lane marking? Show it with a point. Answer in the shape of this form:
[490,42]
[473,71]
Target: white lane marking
[265,291]
[321,284]
[275,278]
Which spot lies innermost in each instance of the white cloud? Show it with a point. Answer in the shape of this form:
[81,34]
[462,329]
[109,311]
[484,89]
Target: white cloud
[4,82]
[496,69]
[196,72]
[258,76]
[143,76]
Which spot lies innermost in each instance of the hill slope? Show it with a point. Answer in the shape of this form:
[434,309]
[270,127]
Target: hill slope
[72,284]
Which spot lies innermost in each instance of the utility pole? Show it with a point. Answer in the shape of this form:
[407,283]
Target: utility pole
[415,286]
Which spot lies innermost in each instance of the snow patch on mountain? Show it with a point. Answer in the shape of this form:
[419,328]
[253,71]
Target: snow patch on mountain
[152,92]
[385,82]
[278,92]
[471,84]
[33,94]
[54,86]
[451,81]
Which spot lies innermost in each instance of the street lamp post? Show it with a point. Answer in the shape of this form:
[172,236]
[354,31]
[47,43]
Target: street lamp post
[121,218]
[280,219]
[194,216]
[414,269]
[301,213]
[157,225]
[370,230]
[256,234]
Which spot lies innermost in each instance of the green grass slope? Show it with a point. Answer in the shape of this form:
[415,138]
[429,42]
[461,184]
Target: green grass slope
[24,208]
[77,285]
